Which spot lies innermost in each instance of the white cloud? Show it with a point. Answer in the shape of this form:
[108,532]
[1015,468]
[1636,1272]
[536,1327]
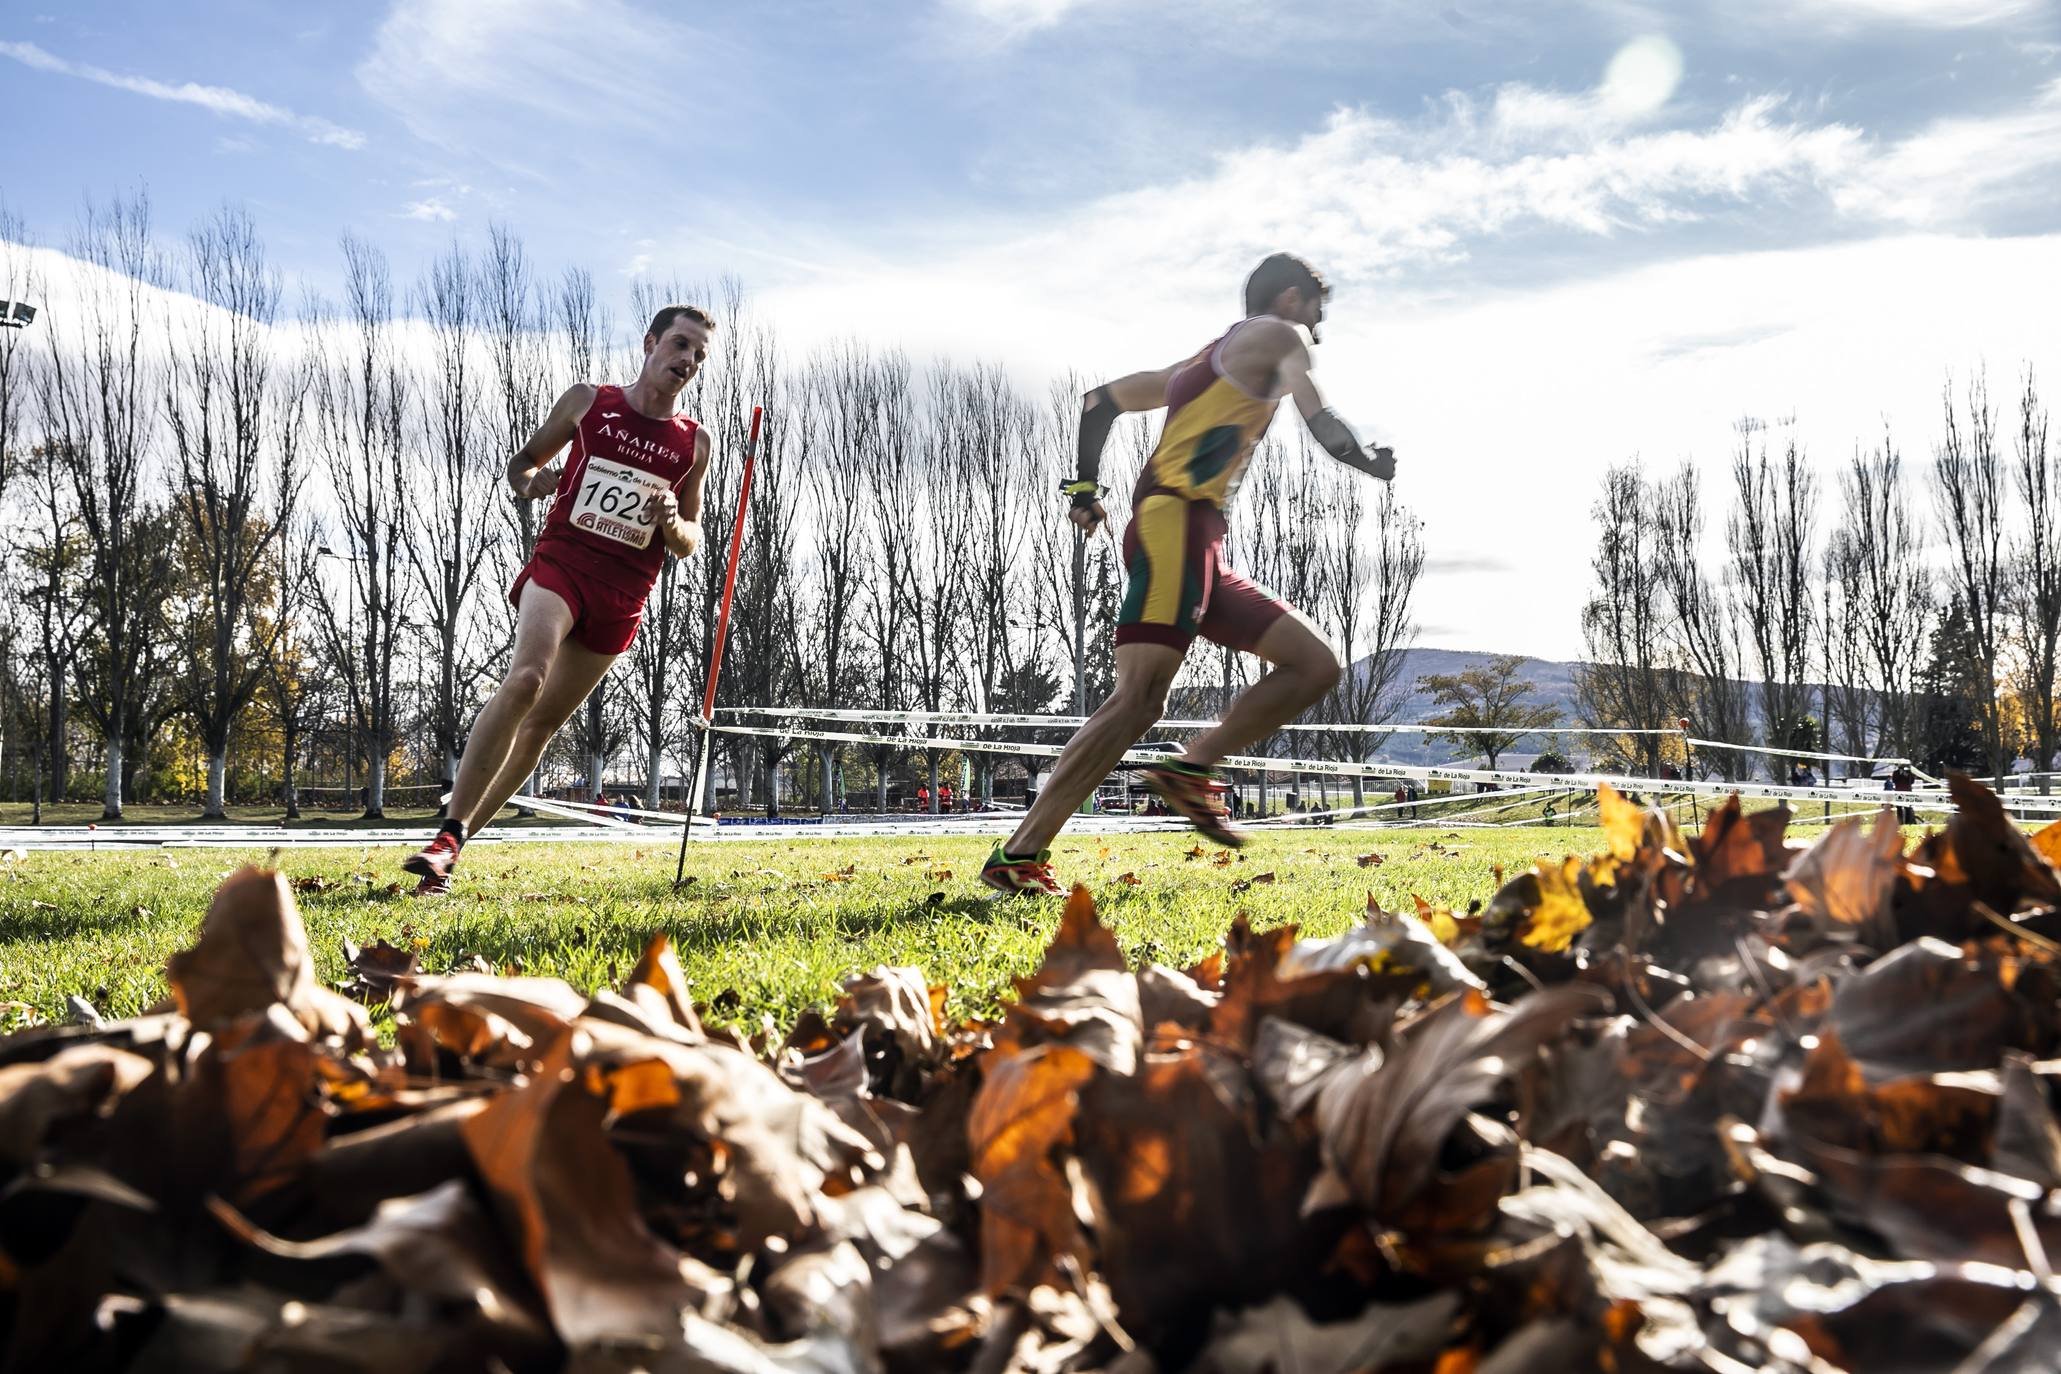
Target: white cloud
[1944,14]
[1014,18]
[1957,167]
[220,100]
[454,68]
[431,208]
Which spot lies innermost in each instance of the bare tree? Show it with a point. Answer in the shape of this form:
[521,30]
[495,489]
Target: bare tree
[220,390]
[98,399]
[1895,605]
[1849,705]
[1969,496]
[764,660]
[1623,682]
[888,610]
[512,324]
[1702,618]
[1770,536]
[362,407]
[842,387]
[48,549]
[293,681]
[19,282]
[1369,583]
[2037,603]
[939,508]
[998,445]
[448,531]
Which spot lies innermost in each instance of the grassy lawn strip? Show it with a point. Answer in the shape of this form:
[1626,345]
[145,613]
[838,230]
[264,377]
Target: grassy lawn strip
[764,928]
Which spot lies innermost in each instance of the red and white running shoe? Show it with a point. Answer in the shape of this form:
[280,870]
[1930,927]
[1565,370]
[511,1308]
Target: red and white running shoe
[1196,795]
[436,860]
[1020,877]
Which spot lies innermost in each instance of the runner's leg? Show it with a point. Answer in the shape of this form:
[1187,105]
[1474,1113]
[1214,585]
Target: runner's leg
[574,674]
[1304,670]
[1144,672]
[542,622]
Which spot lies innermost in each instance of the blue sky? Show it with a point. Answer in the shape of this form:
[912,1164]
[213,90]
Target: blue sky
[1563,234]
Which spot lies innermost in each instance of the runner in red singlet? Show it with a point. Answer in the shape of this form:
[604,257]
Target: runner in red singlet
[629,493]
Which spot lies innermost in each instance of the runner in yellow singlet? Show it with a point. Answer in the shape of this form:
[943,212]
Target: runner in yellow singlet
[1218,403]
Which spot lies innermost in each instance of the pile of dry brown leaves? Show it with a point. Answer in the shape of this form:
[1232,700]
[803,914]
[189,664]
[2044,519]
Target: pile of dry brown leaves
[1710,1103]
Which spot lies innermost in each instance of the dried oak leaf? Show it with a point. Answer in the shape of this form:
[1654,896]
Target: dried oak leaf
[1926,1007]
[1164,1148]
[2028,1138]
[1339,1002]
[1387,942]
[488,1017]
[441,1245]
[781,1149]
[1544,905]
[1928,1208]
[1835,1104]
[1980,856]
[567,1196]
[1083,994]
[899,1018]
[659,980]
[1019,1132]
[1847,880]
[1737,857]
[1280,1335]
[375,968]
[1383,1120]
[74,1085]
[252,953]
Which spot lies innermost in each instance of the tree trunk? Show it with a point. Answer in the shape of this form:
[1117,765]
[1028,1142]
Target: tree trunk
[375,785]
[111,802]
[827,758]
[933,784]
[772,788]
[654,774]
[293,796]
[60,755]
[218,767]
[1359,790]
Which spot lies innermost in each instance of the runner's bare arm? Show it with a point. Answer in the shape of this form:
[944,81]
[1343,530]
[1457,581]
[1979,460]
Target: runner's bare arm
[528,472]
[680,517]
[1325,425]
[1099,409]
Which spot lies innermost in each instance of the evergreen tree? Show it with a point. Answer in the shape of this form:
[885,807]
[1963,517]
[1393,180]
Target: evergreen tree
[1950,695]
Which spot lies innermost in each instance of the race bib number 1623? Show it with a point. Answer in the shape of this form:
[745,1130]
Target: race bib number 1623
[612,502]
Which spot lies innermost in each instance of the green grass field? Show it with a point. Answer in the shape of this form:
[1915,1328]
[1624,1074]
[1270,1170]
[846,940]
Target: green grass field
[763,928]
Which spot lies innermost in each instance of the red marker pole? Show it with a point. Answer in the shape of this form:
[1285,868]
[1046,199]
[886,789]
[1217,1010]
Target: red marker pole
[715,659]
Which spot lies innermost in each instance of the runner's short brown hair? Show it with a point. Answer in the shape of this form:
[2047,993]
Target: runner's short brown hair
[1275,274]
[668,314]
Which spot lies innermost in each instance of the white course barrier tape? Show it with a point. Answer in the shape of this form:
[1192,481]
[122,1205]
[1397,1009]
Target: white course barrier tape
[1496,778]
[1791,753]
[1051,722]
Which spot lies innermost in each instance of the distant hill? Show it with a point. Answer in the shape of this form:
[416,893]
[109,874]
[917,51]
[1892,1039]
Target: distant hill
[1554,682]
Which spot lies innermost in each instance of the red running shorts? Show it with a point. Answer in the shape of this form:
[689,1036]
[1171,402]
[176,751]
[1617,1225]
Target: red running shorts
[605,620]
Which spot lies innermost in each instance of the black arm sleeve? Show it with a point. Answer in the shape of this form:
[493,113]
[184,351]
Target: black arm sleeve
[1098,414]
[1334,434]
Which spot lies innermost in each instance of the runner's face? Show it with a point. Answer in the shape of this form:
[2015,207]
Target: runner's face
[1312,313]
[674,359]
